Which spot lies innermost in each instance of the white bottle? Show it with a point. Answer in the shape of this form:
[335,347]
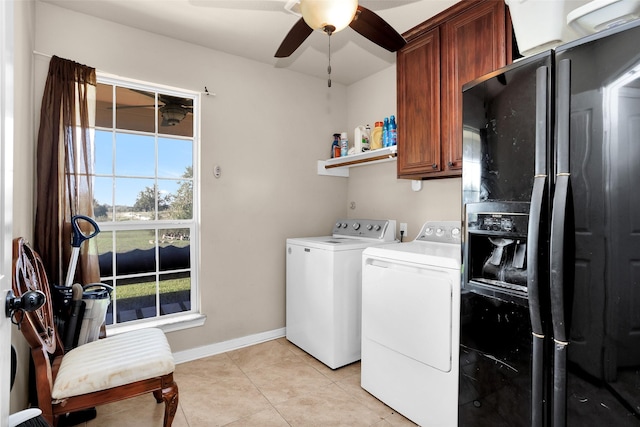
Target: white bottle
[344,144]
[361,139]
[366,138]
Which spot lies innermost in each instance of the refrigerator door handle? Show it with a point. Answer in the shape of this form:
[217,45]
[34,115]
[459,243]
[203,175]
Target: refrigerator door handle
[534,231]
[561,199]
[558,320]
[563,76]
[533,290]
[537,201]
[542,125]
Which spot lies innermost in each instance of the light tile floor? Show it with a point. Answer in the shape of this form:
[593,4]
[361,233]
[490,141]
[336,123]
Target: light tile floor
[268,384]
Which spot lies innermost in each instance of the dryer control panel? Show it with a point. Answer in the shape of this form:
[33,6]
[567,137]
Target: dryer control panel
[441,231]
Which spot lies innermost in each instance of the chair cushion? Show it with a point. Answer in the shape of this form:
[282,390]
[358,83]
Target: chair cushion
[114,361]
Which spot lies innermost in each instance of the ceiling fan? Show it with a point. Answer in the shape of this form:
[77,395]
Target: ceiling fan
[331,16]
[173,110]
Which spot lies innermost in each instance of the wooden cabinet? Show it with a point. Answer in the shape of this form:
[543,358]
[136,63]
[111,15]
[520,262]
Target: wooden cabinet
[441,55]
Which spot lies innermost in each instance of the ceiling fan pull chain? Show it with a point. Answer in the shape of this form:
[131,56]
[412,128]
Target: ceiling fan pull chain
[329,66]
[329,29]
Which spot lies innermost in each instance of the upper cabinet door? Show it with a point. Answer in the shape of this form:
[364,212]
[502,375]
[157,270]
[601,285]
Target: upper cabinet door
[418,66]
[474,43]
[461,44]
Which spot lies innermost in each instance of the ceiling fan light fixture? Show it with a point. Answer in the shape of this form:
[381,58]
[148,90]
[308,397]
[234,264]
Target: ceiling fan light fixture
[319,14]
[173,115]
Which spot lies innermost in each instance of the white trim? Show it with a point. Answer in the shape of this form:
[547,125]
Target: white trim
[7,135]
[222,347]
[168,323]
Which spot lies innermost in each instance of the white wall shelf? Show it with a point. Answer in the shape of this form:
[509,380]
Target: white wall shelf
[340,165]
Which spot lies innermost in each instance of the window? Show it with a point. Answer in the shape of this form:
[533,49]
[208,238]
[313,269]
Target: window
[145,150]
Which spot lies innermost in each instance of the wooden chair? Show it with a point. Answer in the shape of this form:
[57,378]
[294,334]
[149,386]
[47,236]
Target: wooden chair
[96,373]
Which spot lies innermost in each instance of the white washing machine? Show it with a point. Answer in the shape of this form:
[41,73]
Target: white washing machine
[410,324]
[324,282]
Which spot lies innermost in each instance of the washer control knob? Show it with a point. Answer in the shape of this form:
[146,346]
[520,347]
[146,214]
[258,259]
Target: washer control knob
[428,231]
[344,225]
[338,225]
[356,225]
[439,231]
[369,227]
[377,227]
[455,232]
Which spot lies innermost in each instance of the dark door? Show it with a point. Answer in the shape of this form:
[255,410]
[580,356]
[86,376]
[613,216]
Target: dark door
[505,196]
[597,361]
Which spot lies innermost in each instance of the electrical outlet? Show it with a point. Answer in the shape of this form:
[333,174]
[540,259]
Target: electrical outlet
[403,228]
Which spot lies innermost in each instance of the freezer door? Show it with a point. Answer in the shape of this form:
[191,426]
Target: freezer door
[507,134]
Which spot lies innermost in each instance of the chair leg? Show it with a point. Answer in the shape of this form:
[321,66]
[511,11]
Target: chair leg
[170,397]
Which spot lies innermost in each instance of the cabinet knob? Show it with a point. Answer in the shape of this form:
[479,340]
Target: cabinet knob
[435,166]
[450,164]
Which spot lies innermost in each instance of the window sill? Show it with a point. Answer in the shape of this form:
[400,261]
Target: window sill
[167,324]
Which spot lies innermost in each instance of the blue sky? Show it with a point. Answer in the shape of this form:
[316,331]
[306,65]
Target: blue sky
[135,163]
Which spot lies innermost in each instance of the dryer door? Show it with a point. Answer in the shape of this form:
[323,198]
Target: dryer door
[407,308]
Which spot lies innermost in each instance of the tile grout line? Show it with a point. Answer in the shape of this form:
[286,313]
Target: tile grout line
[258,388]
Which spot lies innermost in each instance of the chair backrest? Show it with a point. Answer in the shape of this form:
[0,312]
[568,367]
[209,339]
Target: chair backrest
[38,327]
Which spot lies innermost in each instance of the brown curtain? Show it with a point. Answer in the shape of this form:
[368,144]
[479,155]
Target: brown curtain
[64,165]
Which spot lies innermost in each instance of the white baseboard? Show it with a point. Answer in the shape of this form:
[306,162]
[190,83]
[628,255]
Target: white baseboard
[222,347]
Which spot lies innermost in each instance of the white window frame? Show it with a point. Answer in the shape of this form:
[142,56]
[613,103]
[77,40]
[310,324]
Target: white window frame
[185,319]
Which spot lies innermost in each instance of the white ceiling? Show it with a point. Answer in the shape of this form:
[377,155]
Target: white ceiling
[255,29]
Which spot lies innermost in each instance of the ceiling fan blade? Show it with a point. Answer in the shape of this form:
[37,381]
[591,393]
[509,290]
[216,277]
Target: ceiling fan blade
[174,100]
[124,107]
[376,29]
[296,36]
[143,92]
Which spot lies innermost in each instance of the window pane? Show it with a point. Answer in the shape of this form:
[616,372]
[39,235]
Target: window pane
[105,253]
[104,105]
[109,317]
[175,293]
[135,155]
[135,199]
[135,298]
[135,109]
[175,157]
[174,249]
[177,198]
[103,153]
[135,252]
[175,115]
[103,198]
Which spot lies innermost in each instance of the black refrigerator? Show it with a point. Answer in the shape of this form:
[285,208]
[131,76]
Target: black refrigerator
[550,307]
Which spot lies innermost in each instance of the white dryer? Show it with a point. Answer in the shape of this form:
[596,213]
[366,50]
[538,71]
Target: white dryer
[410,324]
[323,289]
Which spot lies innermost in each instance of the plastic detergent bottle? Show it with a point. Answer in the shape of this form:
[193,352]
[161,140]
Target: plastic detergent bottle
[366,139]
[361,139]
[393,131]
[376,137]
[335,147]
[385,132]
[344,144]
